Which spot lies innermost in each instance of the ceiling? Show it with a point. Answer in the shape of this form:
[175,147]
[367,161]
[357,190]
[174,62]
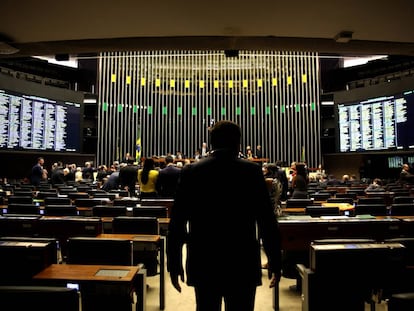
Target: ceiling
[79,26]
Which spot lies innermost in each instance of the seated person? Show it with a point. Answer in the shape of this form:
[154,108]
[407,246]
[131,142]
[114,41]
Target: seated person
[376,185]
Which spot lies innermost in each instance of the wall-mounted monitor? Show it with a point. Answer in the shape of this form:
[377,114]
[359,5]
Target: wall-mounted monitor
[395,162]
[379,123]
[36,117]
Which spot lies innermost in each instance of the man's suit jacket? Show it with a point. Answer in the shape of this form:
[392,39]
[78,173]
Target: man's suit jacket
[128,176]
[167,181]
[222,199]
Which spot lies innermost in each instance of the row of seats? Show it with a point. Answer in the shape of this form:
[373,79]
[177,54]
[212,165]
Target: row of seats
[372,206]
[98,211]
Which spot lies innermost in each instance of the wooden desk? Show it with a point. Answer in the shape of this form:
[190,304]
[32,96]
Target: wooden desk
[342,206]
[298,233]
[301,210]
[141,242]
[110,286]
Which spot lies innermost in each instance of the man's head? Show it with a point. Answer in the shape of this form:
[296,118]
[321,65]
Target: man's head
[225,135]
[169,159]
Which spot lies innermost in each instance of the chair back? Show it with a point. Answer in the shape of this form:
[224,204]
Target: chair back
[90,202]
[371,209]
[28,209]
[150,211]
[44,194]
[109,211]
[138,225]
[60,210]
[317,211]
[110,196]
[128,202]
[320,196]
[352,195]
[99,251]
[57,201]
[19,199]
[298,203]
[371,200]
[23,192]
[402,199]
[402,209]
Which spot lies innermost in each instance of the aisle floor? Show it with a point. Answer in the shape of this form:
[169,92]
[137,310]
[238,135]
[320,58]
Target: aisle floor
[290,300]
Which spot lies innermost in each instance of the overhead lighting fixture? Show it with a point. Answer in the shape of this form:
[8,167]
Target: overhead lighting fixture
[7,49]
[344,36]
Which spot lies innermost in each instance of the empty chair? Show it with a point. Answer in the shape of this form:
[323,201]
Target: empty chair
[57,201]
[402,192]
[402,199]
[99,251]
[371,209]
[23,192]
[332,192]
[352,195]
[110,196]
[371,200]
[317,211]
[84,188]
[44,194]
[340,200]
[121,193]
[45,298]
[60,210]
[320,196]
[150,211]
[168,202]
[90,202]
[19,199]
[27,187]
[77,195]
[67,190]
[109,211]
[28,209]
[92,192]
[129,202]
[301,203]
[358,192]
[138,225]
[402,209]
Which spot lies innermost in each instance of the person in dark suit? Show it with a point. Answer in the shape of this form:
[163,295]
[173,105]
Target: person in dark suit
[221,211]
[128,177]
[37,173]
[168,178]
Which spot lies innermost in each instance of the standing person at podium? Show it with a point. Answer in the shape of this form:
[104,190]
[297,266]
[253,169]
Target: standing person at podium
[224,227]
[259,153]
